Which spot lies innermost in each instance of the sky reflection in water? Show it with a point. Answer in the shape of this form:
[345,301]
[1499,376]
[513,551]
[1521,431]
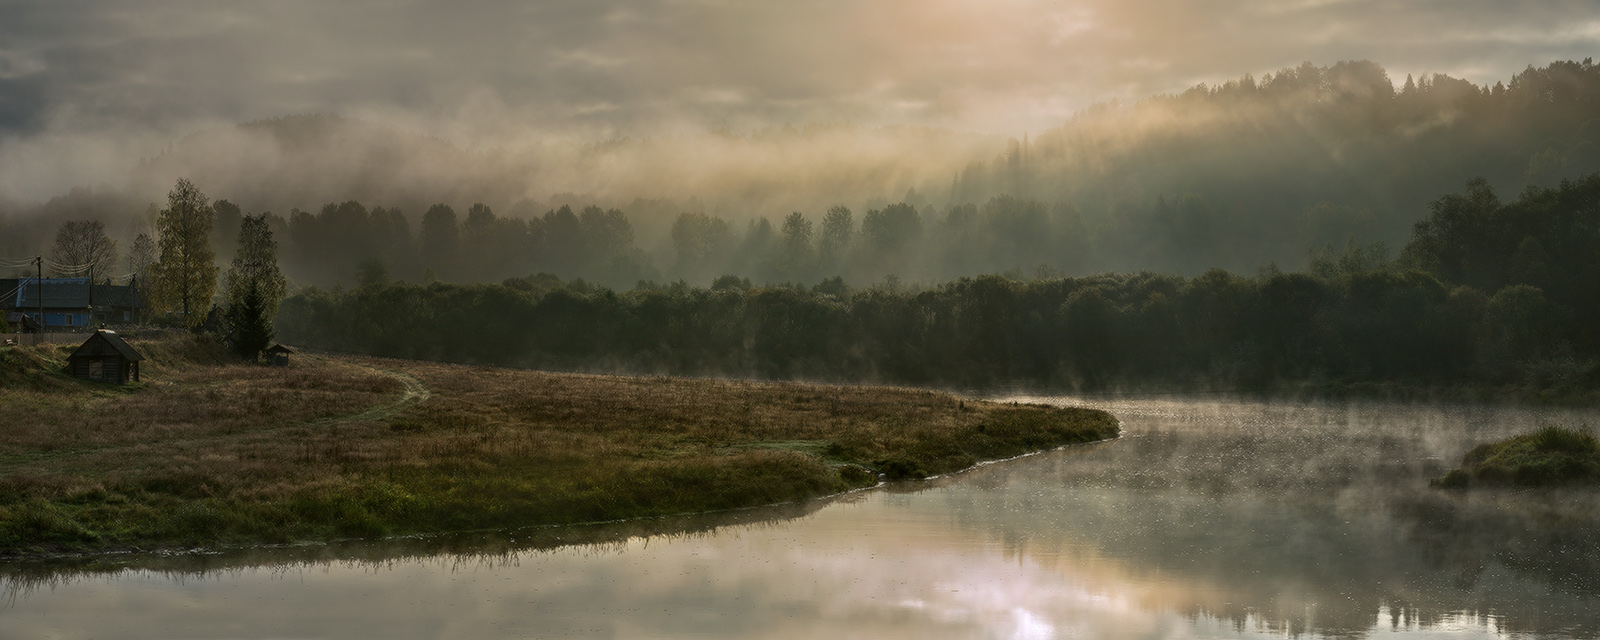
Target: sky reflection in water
[1210,519]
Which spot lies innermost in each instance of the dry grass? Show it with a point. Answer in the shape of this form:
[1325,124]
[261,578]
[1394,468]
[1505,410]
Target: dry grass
[207,452]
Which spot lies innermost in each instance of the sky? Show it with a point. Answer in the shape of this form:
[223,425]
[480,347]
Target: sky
[87,87]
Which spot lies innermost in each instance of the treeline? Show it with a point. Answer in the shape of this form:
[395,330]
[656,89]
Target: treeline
[346,242]
[349,243]
[1484,292]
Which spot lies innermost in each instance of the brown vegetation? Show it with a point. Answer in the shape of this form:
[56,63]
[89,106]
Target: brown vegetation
[208,452]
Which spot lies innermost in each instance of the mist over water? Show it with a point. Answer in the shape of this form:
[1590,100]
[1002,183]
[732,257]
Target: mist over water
[1211,518]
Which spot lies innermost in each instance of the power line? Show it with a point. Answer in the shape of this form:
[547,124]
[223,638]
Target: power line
[69,265]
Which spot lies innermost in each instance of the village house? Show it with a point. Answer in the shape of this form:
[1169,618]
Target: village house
[71,304]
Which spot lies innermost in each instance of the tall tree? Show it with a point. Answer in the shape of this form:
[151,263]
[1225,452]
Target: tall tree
[838,228]
[892,229]
[564,242]
[186,274]
[797,258]
[225,227]
[253,288]
[698,239]
[83,250]
[141,263]
[440,240]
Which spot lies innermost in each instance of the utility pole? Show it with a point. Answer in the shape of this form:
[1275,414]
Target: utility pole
[38,261]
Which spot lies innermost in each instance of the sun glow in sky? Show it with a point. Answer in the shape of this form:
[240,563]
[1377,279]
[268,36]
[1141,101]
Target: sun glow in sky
[93,85]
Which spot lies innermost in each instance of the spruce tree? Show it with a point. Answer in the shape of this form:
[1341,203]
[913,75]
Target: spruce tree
[253,287]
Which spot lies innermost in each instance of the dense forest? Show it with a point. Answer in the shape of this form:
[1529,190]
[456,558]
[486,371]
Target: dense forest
[1484,292]
[1246,174]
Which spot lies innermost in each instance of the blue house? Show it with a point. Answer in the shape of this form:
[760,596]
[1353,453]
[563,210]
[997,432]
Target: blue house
[72,303]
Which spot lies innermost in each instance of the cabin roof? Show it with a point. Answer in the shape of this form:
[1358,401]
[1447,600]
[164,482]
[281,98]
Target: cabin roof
[278,348]
[105,342]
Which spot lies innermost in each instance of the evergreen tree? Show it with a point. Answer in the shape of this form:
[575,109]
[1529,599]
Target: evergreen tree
[141,263]
[186,274]
[253,288]
[440,240]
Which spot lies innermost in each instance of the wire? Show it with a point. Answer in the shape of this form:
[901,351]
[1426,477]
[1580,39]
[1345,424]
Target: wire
[63,266]
[13,292]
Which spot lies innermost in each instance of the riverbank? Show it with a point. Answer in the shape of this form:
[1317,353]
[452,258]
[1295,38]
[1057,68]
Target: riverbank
[206,452]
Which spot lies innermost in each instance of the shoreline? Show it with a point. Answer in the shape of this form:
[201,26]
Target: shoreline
[90,557]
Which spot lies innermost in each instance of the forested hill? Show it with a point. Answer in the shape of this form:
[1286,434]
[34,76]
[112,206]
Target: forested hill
[1229,175]
[1237,176]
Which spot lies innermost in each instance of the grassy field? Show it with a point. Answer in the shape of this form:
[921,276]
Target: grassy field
[205,452]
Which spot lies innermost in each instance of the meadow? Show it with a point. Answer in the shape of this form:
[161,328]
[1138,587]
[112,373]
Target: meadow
[208,452]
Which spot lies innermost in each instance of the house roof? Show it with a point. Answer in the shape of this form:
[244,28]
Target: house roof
[69,295]
[103,343]
[20,319]
[278,348]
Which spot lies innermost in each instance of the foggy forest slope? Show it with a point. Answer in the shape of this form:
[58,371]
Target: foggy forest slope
[1237,176]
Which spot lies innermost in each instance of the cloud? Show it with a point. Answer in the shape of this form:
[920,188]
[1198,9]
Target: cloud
[98,73]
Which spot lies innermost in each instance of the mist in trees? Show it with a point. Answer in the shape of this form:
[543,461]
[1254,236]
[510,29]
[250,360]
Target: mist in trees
[1238,175]
[1319,169]
[1464,303]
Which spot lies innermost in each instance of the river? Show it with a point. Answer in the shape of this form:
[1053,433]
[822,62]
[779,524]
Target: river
[1209,518]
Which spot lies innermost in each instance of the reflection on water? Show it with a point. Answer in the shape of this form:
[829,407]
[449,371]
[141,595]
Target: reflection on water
[1208,519]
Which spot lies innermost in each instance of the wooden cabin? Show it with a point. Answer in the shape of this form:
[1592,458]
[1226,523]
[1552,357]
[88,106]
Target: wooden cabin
[278,355]
[105,357]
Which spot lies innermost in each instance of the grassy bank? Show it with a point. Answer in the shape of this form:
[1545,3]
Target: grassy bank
[1551,456]
[205,452]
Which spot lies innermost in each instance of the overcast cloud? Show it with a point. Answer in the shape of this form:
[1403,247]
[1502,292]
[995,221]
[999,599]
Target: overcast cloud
[89,86]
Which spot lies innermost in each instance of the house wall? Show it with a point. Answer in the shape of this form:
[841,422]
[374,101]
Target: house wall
[109,369]
[63,319]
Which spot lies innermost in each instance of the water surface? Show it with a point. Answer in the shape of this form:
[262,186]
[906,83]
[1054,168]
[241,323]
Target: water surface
[1208,519]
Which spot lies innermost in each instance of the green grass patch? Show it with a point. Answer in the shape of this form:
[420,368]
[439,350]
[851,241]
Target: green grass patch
[1552,456]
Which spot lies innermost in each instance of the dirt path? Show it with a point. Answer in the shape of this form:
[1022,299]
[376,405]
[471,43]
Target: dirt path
[415,392]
